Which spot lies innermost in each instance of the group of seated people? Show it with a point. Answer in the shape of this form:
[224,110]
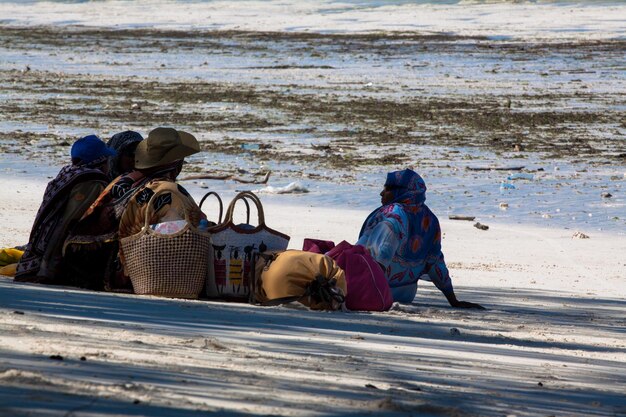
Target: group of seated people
[102,196]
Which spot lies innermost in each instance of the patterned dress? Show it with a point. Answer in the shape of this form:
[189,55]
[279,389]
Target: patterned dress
[65,200]
[405,238]
[93,243]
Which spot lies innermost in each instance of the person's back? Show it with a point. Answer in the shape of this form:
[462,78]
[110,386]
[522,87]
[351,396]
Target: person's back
[90,250]
[160,158]
[404,237]
[65,200]
[406,240]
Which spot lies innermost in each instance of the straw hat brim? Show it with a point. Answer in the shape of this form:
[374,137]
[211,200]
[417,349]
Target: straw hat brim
[188,146]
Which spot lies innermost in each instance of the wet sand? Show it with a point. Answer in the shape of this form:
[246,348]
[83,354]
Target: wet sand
[307,97]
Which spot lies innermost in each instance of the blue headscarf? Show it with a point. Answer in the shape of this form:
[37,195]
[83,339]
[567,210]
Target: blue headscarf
[407,187]
[90,149]
[423,232]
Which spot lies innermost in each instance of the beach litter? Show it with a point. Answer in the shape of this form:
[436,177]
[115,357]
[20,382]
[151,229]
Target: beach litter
[503,206]
[455,332]
[495,168]
[606,195]
[506,186]
[481,226]
[458,217]
[520,176]
[295,187]
[580,235]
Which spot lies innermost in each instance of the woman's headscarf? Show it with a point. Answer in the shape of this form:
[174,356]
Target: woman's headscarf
[408,188]
[120,142]
[423,235]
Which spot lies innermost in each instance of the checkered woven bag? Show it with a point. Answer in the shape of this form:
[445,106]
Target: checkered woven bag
[167,265]
[234,247]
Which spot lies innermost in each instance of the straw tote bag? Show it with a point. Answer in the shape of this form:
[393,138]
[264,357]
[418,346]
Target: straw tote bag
[234,248]
[168,265]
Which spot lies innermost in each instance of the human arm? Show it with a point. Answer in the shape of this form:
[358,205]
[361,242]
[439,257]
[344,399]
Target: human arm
[439,274]
[382,240]
[461,304]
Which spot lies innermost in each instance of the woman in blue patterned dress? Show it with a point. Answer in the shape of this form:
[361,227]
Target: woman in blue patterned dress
[404,237]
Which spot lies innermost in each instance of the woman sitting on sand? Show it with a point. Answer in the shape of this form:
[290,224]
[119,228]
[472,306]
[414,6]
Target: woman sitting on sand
[91,248]
[404,237]
[160,159]
[118,211]
[65,200]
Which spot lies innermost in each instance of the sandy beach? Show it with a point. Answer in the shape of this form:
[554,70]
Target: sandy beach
[551,341]
[513,112]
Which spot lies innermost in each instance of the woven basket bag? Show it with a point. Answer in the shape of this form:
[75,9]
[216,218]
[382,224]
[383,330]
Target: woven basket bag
[167,265]
[234,248]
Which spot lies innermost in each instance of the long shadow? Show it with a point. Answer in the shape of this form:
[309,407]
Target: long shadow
[179,317]
[26,401]
[111,388]
[329,339]
[494,395]
[567,309]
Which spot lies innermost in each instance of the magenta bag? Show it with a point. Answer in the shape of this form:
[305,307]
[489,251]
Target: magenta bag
[368,289]
[317,246]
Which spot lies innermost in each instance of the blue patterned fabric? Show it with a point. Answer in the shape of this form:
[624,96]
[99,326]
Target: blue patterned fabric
[404,236]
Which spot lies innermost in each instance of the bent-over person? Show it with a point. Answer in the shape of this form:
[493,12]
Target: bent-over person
[159,159]
[65,200]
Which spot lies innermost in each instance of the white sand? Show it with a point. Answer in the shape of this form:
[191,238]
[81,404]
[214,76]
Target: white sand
[552,341]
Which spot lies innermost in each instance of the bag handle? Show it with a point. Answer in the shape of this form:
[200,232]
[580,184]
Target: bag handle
[150,209]
[245,200]
[244,195]
[221,203]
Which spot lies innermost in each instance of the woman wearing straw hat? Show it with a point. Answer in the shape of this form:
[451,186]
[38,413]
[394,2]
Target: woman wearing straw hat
[159,159]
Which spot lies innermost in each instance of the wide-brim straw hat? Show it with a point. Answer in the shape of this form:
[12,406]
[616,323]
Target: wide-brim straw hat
[163,146]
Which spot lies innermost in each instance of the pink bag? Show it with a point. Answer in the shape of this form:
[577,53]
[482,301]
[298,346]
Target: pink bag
[317,246]
[368,289]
